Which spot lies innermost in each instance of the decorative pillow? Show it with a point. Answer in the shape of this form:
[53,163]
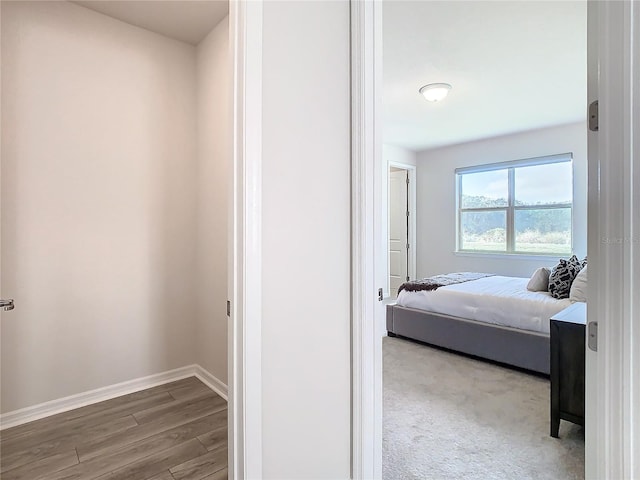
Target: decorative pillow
[578,291]
[562,277]
[539,280]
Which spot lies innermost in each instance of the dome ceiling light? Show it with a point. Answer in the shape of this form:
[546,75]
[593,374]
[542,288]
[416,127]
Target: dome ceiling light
[434,92]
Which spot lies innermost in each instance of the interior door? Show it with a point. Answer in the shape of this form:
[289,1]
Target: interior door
[398,229]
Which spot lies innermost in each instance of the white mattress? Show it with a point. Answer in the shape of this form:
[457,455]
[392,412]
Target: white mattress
[498,300]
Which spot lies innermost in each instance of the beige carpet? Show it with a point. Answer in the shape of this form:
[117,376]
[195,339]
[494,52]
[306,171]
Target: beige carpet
[451,417]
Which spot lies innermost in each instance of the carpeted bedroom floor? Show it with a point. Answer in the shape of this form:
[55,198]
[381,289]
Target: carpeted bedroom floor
[447,416]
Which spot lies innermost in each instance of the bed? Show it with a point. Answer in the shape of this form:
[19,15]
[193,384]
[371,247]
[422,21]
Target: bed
[491,317]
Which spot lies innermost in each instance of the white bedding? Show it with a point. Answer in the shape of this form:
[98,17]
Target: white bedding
[498,300]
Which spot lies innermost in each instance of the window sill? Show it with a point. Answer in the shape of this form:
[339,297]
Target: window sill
[512,256]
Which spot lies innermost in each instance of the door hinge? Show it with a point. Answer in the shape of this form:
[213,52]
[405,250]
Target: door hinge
[593,116]
[228,308]
[7,305]
[407,279]
[407,246]
[592,336]
[380,295]
[407,179]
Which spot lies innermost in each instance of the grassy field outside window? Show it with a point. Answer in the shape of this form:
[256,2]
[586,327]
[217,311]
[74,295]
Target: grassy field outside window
[517,207]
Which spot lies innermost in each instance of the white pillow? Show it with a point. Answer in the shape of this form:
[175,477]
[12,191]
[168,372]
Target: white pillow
[578,291]
[539,280]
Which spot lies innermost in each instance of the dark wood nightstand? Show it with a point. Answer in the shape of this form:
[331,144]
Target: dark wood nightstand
[567,365]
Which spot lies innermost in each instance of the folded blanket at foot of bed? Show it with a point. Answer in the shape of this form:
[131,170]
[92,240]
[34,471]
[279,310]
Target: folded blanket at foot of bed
[432,283]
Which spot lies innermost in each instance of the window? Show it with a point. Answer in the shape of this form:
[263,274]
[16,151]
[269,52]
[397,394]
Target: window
[520,207]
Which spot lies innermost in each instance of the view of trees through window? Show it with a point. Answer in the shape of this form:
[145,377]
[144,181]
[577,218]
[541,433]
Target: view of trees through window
[519,209]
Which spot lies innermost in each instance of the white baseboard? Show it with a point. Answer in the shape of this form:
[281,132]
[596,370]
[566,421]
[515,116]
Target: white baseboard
[212,382]
[46,409]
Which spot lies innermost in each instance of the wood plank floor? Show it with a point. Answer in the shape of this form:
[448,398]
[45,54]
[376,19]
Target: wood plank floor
[176,431]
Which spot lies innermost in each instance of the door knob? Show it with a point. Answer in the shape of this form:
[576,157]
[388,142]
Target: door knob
[7,304]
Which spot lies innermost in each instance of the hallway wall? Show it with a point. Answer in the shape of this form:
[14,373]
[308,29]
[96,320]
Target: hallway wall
[306,249]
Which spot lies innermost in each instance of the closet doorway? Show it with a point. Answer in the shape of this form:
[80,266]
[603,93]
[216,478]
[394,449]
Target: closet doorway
[402,225]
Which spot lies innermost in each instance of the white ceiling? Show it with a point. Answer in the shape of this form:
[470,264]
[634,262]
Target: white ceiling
[185,20]
[514,66]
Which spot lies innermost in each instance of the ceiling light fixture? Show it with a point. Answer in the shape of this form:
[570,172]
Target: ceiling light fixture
[434,92]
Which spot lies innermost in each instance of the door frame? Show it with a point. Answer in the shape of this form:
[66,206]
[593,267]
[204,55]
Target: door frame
[612,242]
[613,429]
[367,236]
[245,241]
[412,170]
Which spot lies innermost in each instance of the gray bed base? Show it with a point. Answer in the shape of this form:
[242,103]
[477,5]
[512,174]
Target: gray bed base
[519,348]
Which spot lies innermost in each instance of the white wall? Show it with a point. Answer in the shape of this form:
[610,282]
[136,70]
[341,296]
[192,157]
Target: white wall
[98,201]
[213,168]
[391,153]
[306,246]
[436,198]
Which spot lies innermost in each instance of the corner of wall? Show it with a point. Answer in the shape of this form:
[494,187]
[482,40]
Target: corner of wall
[213,147]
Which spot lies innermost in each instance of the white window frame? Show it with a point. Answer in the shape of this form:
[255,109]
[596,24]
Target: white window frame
[509,209]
